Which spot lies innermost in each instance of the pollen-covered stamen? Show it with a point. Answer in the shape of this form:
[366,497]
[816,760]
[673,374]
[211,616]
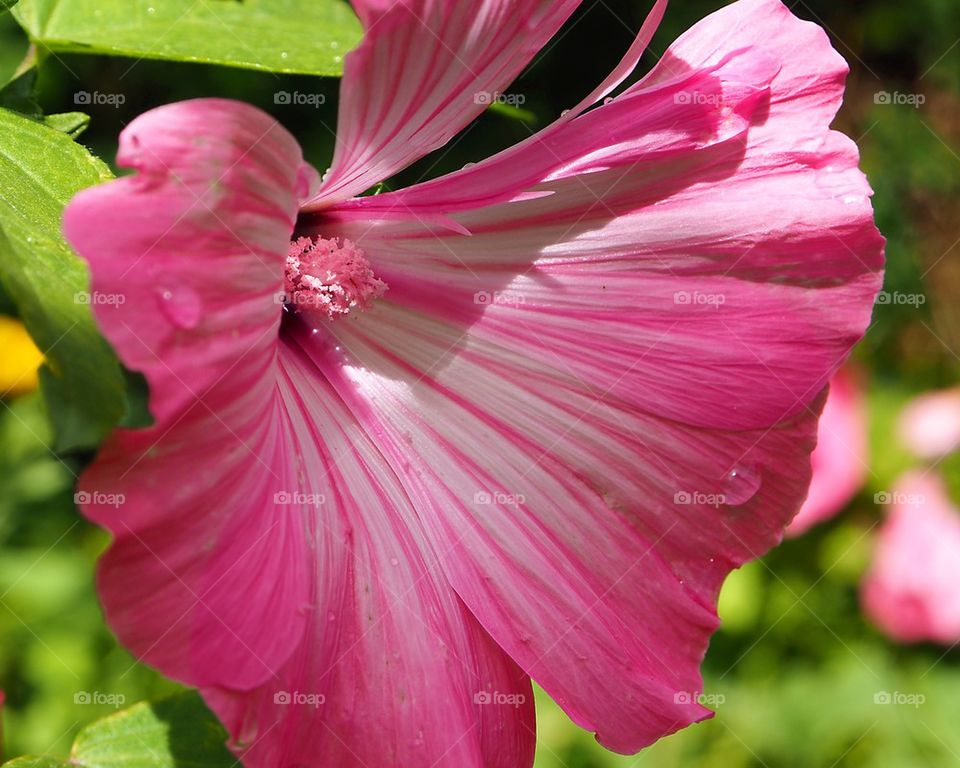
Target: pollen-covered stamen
[329,276]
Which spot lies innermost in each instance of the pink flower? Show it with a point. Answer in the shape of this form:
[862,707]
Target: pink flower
[515,422]
[930,424]
[840,459]
[910,591]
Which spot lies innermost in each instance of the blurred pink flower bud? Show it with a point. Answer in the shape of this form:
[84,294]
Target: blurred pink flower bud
[930,425]
[910,591]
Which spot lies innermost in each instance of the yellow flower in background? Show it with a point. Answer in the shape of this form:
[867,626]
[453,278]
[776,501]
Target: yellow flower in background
[19,359]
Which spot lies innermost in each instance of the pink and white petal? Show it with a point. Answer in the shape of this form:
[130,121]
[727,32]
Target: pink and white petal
[423,71]
[910,591]
[840,461]
[588,537]
[657,249]
[930,424]
[261,544]
[186,258]
[707,108]
[631,331]
[805,94]
[192,246]
[392,668]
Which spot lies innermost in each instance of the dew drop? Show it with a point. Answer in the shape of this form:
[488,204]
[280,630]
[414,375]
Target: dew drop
[338,59]
[608,100]
[394,561]
[283,54]
[331,616]
[151,10]
[741,484]
[181,307]
[565,112]
[334,44]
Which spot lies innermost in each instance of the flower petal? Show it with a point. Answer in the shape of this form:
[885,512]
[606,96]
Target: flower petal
[392,669]
[612,379]
[263,550]
[588,537]
[840,460]
[644,239]
[910,591]
[186,259]
[423,71]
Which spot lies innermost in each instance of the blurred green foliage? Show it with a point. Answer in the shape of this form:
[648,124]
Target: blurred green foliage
[796,670]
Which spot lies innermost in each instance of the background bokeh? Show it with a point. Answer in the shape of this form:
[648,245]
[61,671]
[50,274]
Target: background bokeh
[795,669]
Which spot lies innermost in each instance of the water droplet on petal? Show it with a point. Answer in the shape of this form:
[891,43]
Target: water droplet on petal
[468,165]
[181,307]
[565,112]
[608,100]
[741,484]
[394,561]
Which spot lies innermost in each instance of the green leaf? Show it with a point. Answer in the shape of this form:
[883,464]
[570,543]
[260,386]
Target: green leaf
[70,123]
[17,95]
[297,36]
[178,732]
[40,170]
[6,5]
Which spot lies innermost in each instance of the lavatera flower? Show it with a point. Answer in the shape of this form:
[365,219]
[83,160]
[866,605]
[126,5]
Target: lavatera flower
[412,450]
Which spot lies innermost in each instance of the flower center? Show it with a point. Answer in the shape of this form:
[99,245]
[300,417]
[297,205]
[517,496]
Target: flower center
[331,277]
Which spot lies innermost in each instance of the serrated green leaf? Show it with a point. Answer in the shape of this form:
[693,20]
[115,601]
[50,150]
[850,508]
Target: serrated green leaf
[296,36]
[179,732]
[40,170]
